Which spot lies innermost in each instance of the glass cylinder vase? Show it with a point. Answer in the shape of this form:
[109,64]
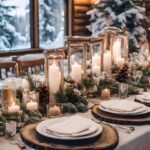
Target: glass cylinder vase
[32,101]
[54,72]
[77,64]
[120,48]
[123,90]
[8,94]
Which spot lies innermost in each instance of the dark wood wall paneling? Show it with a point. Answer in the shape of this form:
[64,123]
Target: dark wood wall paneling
[80,19]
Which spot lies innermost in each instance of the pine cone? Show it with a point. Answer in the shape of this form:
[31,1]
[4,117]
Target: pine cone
[122,75]
[43,98]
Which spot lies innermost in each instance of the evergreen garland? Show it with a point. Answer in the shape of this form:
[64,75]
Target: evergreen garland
[72,99]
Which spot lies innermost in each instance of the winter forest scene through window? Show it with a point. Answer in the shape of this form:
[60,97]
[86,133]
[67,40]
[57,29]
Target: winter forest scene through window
[51,23]
[15,24]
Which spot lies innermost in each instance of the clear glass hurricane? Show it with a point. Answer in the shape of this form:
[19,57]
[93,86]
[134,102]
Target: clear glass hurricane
[137,75]
[10,128]
[123,90]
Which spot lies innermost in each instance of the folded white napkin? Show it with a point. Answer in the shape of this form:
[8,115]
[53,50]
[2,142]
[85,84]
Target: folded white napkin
[145,97]
[121,105]
[73,125]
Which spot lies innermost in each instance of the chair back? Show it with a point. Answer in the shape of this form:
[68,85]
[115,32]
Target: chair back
[8,69]
[31,66]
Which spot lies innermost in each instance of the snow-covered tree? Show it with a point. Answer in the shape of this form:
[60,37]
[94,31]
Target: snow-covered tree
[49,19]
[7,30]
[123,14]
[12,34]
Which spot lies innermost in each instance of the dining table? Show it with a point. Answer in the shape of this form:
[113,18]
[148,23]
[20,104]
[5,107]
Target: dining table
[139,139]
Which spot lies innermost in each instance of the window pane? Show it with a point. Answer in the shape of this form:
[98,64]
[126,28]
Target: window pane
[14,24]
[51,23]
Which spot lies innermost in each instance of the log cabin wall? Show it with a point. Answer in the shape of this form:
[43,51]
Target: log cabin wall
[80,20]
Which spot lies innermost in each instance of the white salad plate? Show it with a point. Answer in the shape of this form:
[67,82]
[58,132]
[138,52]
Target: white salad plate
[42,129]
[124,107]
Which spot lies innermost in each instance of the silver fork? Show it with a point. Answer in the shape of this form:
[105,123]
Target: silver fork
[126,129]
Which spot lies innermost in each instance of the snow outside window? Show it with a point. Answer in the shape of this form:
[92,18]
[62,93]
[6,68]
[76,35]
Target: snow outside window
[14,24]
[51,23]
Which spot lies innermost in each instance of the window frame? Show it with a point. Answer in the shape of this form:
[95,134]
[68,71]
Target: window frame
[34,30]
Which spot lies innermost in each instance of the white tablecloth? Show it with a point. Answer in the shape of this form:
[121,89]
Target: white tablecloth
[137,140]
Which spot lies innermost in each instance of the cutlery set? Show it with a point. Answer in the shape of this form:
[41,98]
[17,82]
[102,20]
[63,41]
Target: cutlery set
[125,129]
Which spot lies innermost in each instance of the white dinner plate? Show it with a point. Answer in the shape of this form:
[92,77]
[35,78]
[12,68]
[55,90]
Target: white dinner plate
[41,128]
[142,98]
[142,110]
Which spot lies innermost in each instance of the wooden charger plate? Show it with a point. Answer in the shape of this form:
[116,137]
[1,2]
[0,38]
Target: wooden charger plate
[119,119]
[107,140]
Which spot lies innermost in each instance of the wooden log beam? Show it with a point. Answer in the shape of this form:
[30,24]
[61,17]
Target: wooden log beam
[81,15]
[81,22]
[82,2]
[79,28]
[81,9]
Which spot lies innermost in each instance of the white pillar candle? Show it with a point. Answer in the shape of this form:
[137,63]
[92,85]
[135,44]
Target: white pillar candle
[107,61]
[14,109]
[116,49]
[54,111]
[146,52]
[120,62]
[105,94]
[76,72]
[96,60]
[54,78]
[25,84]
[32,106]
[96,70]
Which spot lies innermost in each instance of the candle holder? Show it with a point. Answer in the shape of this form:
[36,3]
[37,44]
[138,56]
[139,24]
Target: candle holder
[76,65]
[54,71]
[96,58]
[80,50]
[105,94]
[120,47]
[123,90]
[77,62]
[124,38]
[107,59]
[15,108]
[116,41]
[78,53]
[8,94]
[110,35]
[32,101]
[54,110]
[10,128]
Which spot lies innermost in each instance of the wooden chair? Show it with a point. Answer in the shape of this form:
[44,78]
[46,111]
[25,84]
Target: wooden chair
[30,66]
[8,68]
